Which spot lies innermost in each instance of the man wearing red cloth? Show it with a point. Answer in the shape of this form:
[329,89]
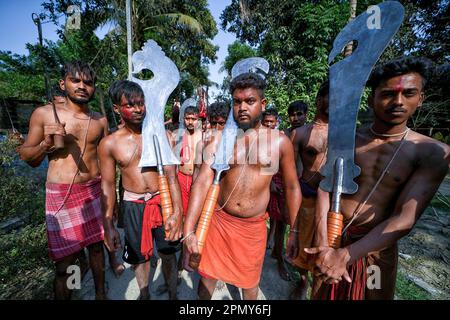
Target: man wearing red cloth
[236,240]
[140,206]
[400,173]
[73,210]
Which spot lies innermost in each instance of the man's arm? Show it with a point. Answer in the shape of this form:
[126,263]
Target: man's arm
[290,181]
[292,192]
[195,205]
[412,201]
[39,141]
[320,219]
[175,221]
[108,183]
[296,138]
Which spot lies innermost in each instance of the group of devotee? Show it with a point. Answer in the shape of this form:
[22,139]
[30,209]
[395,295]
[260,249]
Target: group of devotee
[400,173]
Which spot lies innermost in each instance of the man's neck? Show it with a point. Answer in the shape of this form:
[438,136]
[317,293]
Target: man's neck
[381,128]
[135,129]
[75,107]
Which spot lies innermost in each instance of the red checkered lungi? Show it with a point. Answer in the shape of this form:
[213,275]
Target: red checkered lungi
[78,223]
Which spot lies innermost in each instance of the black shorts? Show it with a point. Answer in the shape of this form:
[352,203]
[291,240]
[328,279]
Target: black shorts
[133,214]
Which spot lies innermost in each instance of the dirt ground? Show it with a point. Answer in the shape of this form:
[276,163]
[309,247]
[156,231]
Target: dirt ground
[424,255]
[424,260]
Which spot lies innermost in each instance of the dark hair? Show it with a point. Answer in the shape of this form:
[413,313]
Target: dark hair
[57,92]
[191,110]
[398,67]
[270,112]
[297,105]
[218,109]
[71,68]
[324,89]
[248,80]
[129,89]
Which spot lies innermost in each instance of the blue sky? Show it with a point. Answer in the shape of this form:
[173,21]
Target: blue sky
[17,28]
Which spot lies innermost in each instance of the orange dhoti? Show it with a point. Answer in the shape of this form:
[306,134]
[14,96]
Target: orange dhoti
[305,231]
[234,249]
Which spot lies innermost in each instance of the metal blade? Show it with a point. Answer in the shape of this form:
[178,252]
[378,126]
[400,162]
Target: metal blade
[225,149]
[226,145]
[159,162]
[347,81]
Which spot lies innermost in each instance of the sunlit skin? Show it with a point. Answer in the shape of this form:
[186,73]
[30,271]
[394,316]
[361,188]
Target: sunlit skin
[249,197]
[395,100]
[67,165]
[123,149]
[194,136]
[401,197]
[191,122]
[132,111]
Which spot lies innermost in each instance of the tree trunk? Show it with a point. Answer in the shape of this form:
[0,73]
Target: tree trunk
[349,48]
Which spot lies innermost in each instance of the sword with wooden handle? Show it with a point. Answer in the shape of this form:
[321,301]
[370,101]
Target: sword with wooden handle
[58,140]
[347,81]
[163,185]
[223,156]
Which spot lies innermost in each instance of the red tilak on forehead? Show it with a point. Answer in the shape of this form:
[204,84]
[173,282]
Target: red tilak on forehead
[399,86]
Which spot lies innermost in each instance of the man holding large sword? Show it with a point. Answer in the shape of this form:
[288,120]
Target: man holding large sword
[142,199]
[400,173]
[235,243]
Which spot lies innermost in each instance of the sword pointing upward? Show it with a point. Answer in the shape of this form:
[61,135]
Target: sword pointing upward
[347,81]
[224,154]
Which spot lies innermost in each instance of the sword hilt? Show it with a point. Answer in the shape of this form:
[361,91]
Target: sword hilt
[163,185]
[205,220]
[335,220]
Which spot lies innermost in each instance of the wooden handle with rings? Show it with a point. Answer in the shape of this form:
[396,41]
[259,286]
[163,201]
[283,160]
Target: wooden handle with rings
[335,224]
[166,200]
[58,140]
[203,224]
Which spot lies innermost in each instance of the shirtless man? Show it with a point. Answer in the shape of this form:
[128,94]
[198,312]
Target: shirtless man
[235,244]
[276,207]
[189,144]
[297,112]
[376,223]
[217,114]
[73,208]
[141,210]
[310,146]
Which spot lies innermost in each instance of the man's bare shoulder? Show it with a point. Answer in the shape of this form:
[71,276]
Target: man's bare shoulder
[113,140]
[431,151]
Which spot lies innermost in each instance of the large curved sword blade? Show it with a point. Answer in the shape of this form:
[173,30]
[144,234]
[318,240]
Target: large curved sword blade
[347,81]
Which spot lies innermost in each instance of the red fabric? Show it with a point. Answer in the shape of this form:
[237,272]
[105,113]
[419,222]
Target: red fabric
[357,272]
[79,221]
[276,202]
[234,249]
[152,219]
[185,182]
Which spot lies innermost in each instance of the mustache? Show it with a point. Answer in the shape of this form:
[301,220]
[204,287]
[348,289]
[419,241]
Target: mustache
[396,109]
